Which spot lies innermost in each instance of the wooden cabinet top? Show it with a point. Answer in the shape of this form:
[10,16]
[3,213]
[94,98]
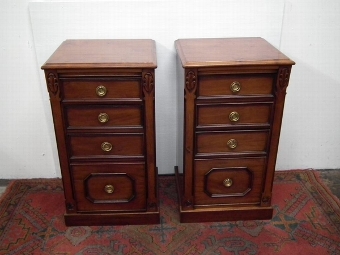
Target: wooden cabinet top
[104,53]
[210,52]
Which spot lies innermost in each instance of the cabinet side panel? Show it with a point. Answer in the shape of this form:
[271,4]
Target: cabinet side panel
[180,115]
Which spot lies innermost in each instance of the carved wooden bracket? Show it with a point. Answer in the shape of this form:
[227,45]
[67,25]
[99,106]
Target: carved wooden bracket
[190,81]
[283,79]
[52,83]
[266,199]
[148,83]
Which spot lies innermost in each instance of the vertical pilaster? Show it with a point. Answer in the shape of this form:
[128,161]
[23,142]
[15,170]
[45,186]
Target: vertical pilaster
[148,83]
[53,87]
[280,94]
[189,129]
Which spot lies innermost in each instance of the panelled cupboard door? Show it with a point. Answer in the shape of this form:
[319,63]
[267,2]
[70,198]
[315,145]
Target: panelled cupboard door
[234,92]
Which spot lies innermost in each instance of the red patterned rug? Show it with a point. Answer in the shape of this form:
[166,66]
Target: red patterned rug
[306,221]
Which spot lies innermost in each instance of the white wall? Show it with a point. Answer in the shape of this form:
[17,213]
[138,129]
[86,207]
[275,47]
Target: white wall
[25,144]
[310,135]
[305,30]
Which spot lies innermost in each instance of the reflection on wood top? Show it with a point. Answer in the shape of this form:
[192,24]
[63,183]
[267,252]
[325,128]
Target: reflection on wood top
[104,53]
[209,52]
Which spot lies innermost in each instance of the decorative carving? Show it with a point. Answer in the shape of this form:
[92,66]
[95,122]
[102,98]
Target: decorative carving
[266,199]
[152,205]
[190,81]
[283,80]
[52,83]
[188,203]
[148,83]
[70,206]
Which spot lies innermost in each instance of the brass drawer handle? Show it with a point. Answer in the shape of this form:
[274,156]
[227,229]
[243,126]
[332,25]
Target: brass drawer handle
[235,86]
[103,117]
[232,143]
[109,189]
[234,116]
[106,146]
[101,91]
[228,182]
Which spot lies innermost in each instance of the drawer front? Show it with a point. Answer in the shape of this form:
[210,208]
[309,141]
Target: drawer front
[231,142]
[113,145]
[101,89]
[233,114]
[111,187]
[241,85]
[103,116]
[229,182]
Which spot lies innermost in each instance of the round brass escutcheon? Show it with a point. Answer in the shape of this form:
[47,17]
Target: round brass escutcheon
[101,90]
[234,116]
[103,117]
[109,189]
[235,86]
[228,182]
[232,143]
[106,146]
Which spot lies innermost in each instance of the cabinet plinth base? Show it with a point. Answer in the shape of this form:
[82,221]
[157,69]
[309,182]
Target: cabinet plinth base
[215,214]
[103,219]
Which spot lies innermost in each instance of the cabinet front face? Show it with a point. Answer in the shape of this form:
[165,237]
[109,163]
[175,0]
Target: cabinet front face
[105,129]
[233,108]
[233,123]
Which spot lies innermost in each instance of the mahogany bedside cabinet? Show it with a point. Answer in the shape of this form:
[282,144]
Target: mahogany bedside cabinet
[231,95]
[102,95]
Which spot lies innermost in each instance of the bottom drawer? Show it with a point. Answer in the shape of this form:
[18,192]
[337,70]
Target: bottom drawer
[229,181]
[109,187]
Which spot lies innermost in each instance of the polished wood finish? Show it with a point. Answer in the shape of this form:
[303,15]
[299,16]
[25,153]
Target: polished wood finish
[219,114]
[117,88]
[247,175]
[217,142]
[127,180]
[102,95]
[80,116]
[219,85]
[231,99]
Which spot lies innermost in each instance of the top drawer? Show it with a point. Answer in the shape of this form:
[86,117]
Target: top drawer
[101,89]
[241,85]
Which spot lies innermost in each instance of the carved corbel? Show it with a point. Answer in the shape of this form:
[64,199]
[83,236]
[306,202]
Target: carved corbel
[283,80]
[52,84]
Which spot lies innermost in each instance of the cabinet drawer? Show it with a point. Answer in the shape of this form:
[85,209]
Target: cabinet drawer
[103,116]
[241,85]
[111,145]
[233,114]
[231,142]
[110,187]
[229,182]
[101,89]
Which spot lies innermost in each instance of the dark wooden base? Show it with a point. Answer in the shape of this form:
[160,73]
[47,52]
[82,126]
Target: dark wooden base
[137,218]
[215,214]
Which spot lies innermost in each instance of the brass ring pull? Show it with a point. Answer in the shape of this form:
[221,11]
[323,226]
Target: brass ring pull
[103,117]
[232,143]
[235,86]
[109,189]
[234,116]
[106,146]
[228,182]
[101,91]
